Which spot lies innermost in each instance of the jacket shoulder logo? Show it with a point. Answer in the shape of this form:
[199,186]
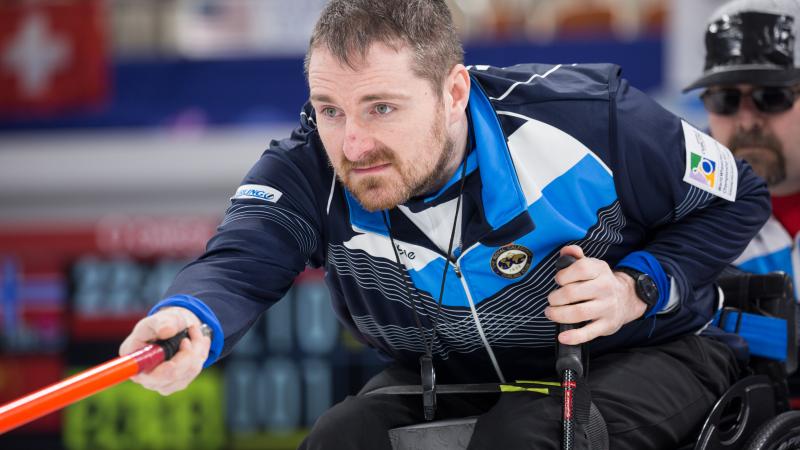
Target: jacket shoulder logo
[511,261]
[257,192]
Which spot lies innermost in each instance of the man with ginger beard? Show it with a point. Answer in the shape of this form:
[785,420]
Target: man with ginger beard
[752,84]
[438,198]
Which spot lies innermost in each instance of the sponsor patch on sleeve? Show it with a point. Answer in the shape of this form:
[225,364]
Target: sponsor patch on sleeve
[710,166]
[258,192]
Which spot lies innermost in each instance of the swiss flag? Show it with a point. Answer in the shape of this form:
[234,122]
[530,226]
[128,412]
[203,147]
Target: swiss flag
[52,56]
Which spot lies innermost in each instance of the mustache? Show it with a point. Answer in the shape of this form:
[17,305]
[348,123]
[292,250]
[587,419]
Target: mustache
[756,137]
[380,155]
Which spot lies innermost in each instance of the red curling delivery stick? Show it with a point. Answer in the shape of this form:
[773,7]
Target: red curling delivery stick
[89,382]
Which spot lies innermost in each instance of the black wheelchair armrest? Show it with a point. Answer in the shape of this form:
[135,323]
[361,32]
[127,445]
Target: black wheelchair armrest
[770,295]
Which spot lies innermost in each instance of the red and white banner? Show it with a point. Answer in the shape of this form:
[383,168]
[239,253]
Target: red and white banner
[52,56]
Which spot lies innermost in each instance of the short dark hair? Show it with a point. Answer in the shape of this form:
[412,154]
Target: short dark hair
[348,28]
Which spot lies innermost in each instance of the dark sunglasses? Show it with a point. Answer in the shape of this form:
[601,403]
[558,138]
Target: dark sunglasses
[768,99]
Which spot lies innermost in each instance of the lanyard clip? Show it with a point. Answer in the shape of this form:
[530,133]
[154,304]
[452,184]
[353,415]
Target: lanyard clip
[428,377]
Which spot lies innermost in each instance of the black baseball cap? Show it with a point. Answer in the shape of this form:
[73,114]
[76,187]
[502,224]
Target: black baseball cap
[752,42]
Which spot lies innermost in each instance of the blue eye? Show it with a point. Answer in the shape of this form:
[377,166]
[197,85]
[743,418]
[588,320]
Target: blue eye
[383,108]
[329,112]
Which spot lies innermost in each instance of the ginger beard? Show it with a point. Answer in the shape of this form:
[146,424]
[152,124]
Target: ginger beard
[763,151]
[403,179]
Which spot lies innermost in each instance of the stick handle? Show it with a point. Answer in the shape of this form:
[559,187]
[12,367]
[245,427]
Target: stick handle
[570,367]
[569,356]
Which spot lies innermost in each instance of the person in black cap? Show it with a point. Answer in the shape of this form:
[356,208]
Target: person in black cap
[752,84]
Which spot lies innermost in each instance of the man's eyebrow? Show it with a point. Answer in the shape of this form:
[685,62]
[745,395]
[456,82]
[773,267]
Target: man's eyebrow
[321,98]
[383,96]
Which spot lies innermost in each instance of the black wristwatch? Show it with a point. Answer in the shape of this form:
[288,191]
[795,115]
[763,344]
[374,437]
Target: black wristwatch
[646,288]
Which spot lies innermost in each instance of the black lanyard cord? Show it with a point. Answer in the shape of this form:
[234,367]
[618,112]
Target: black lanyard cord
[449,258]
[427,371]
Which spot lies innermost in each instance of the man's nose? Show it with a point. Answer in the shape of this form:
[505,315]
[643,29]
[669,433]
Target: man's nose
[357,141]
[749,115]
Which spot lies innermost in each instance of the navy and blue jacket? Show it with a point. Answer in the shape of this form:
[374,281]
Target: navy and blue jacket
[559,155]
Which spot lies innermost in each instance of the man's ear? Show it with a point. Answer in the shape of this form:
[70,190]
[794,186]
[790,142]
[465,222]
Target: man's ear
[457,85]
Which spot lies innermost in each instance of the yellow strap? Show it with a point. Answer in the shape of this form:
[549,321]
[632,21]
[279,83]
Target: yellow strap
[512,388]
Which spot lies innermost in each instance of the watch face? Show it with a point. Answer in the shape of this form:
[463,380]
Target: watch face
[647,289]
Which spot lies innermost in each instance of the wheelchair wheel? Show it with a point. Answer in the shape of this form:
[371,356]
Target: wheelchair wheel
[779,433]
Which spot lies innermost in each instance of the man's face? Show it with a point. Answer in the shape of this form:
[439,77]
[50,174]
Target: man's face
[383,127]
[770,142]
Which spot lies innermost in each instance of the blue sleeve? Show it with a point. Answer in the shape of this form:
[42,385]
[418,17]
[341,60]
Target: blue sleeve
[206,316]
[645,262]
